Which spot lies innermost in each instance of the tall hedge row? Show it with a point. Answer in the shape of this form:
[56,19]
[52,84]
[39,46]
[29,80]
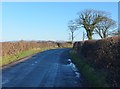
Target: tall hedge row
[103,55]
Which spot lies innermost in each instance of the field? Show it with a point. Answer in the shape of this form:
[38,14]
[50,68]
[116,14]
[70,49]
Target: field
[12,51]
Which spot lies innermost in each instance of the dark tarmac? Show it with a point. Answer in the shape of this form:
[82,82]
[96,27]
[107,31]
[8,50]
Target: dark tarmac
[51,68]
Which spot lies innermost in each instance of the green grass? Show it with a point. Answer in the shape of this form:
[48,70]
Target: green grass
[94,78]
[11,58]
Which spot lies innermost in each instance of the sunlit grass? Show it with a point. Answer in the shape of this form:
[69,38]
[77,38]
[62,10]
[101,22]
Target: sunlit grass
[11,58]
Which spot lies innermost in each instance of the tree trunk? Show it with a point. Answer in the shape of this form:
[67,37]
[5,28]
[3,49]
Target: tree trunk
[72,38]
[89,35]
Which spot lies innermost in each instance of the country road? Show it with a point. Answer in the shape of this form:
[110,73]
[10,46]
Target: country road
[51,68]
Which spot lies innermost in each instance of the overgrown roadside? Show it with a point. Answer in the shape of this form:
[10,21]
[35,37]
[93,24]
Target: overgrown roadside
[14,51]
[13,58]
[95,78]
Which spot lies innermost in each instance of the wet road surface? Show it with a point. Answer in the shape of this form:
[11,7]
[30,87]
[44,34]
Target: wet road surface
[51,68]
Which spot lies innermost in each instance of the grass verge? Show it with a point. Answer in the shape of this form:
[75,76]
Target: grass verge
[11,58]
[94,78]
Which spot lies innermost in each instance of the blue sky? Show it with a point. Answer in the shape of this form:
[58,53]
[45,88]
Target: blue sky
[46,21]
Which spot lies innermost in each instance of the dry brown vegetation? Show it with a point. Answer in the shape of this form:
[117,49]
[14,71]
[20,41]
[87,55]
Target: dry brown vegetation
[12,51]
[103,55]
[11,48]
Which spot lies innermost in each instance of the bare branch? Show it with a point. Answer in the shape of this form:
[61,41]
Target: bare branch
[103,27]
[72,25]
[89,19]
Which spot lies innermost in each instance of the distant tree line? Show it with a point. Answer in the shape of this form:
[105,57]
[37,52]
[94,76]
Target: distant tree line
[94,22]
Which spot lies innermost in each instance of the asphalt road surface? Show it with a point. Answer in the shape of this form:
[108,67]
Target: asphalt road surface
[51,68]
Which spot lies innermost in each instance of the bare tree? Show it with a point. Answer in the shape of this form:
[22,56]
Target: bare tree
[83,35]
[103,27]
[115,32]
[72,28]
[88,19]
